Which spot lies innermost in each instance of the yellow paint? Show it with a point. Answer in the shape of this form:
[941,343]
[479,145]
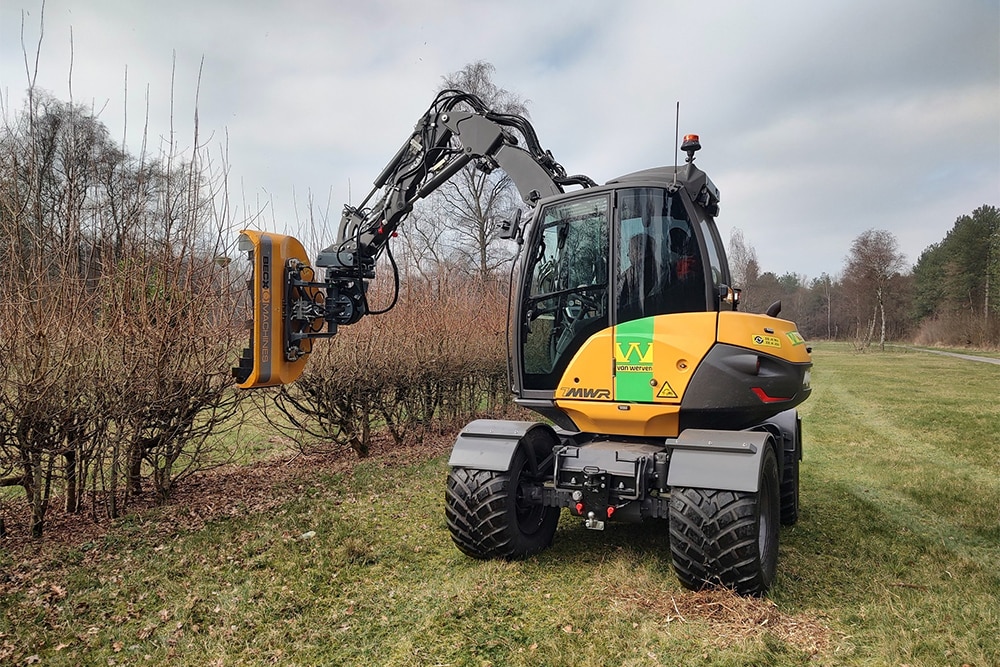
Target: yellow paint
[270,367]
[638,419]
[678,344]
[681,342]
[590,367]
[769,335]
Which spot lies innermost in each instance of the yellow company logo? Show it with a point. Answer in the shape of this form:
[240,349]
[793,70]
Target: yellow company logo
[625,356]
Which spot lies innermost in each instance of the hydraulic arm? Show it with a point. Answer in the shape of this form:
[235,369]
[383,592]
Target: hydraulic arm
[293,305]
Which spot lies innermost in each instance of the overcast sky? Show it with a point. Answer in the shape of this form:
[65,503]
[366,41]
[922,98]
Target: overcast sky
[819,120]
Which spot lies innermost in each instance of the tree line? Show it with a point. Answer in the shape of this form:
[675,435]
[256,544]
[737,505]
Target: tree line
[951,296]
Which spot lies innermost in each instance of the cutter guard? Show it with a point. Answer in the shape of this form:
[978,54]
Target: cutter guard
[278,351]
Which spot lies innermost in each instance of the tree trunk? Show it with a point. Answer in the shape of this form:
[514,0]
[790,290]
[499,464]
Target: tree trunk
[134,476]
[881,307]
[829,312]
[113,481]
[72,496]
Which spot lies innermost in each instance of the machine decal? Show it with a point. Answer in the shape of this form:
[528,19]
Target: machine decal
[796,338]
[586,392]
[666,391]
[265,331]
[634,361]
[633,356]
[767,341]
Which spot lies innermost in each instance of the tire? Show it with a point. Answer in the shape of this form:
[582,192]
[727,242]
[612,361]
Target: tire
[489,517]
[727,538]
[790,482]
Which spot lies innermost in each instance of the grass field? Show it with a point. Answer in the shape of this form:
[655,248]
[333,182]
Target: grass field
[894,562]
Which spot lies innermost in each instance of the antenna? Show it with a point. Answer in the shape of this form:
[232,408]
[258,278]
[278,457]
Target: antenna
[677,136]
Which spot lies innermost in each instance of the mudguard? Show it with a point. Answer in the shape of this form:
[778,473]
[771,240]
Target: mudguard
[709,459]
[267,362]
[788,426]
[489,444]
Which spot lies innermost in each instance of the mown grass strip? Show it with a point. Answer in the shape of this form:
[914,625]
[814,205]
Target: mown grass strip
[893,562]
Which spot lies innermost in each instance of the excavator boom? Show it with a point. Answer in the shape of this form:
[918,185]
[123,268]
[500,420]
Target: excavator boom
[292,305]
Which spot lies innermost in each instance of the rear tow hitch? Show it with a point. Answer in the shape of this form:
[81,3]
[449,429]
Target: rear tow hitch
[592,522]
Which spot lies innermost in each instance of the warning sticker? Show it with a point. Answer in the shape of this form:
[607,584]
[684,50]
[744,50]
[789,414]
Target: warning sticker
[795,337]
[767,341]
[666,391]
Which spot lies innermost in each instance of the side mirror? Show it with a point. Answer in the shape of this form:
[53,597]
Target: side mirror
[729,295]
[511,229]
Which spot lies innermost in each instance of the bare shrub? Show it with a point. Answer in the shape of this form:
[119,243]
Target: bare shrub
[115,310]
[436,358]
[961,329]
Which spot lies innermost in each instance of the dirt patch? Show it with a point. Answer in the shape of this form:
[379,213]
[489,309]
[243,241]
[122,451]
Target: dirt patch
[733,618]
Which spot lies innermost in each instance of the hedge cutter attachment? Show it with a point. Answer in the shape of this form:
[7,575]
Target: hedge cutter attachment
[288,310]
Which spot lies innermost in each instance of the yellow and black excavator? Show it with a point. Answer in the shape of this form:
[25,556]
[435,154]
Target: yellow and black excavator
[659,399]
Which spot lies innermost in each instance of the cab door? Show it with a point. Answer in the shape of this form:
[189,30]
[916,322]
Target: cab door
[566,295]
[661,318]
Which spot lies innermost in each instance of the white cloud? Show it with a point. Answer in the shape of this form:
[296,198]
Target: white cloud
[819,119]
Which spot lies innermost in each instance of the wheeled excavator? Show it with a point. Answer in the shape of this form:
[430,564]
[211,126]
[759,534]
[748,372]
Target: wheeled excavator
[657,398]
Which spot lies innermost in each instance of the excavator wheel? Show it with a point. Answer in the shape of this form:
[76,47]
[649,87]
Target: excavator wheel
[727,538]
[490,517]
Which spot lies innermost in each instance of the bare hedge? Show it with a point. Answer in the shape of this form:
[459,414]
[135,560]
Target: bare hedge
[434,360]
[115,312]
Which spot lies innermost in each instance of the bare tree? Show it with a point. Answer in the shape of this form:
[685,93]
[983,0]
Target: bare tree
[873,262]
[744,269]
[458,226]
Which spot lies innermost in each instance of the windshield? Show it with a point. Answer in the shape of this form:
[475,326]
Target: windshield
[659,267]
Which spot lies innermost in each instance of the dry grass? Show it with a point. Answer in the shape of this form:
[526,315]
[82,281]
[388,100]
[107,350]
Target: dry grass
[731,619]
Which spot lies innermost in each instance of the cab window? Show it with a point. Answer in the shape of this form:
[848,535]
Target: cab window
[659,268]
[567,288]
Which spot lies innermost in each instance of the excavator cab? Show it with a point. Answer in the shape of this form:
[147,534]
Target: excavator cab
[626,321]
[608,257]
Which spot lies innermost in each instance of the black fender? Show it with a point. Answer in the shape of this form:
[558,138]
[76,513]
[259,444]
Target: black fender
[787,428]
[723,460]
[490,444]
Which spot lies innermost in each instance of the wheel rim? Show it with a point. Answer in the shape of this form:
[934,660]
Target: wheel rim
[765,533]
[529,515]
